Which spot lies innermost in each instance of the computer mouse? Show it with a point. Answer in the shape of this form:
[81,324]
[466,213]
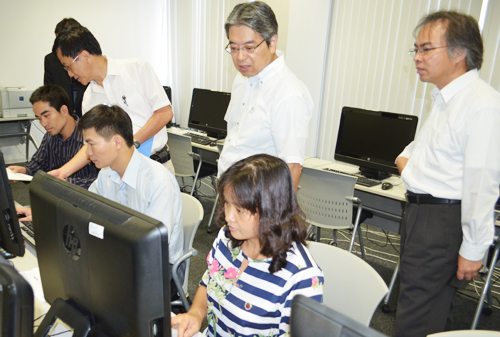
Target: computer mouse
[387,186]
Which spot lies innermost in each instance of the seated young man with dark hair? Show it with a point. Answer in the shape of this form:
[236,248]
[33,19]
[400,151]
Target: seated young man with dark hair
[62,140]
[130,178]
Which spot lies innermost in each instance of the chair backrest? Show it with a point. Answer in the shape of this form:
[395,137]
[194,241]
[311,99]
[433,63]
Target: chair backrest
[463,333]
[352,287]
[322,197]
[310,318]
[192,214]
[180,147]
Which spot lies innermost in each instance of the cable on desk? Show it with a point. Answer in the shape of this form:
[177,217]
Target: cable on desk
[60,333]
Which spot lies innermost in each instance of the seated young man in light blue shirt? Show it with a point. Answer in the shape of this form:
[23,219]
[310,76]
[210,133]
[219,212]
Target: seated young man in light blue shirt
[127,176]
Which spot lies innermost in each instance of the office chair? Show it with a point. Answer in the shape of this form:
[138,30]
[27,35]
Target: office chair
[185,160]
[327,200]
[310,318]
[192,214]
[352,286]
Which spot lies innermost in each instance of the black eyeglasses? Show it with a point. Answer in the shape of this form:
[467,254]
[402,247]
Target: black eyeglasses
[423,51]
[244,49]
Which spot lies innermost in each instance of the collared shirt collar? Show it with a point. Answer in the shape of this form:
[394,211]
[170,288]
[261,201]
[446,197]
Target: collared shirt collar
[112,67]
[131,173]
[457,84]
[271,69]
[111,70]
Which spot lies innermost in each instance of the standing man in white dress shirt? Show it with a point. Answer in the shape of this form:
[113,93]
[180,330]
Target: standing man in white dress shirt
[129,83]
[451,172]
[270,107]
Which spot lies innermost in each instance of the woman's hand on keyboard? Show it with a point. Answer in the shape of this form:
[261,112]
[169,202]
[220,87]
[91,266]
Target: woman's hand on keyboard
[26,211]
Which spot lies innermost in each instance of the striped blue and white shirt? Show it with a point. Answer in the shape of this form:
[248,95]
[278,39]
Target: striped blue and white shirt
[258,303]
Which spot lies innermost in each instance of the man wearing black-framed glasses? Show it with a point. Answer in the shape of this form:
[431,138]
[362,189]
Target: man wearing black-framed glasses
[270,107]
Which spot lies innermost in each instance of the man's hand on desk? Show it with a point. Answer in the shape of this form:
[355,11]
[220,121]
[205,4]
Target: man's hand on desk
[467,269]
[17,169]
[26,211]
[58,174]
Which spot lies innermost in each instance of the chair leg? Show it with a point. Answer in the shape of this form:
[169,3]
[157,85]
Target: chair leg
[486,287]
[309,232]
[335,236]
[385,306]
[361,245]
[318,234]
[209,230]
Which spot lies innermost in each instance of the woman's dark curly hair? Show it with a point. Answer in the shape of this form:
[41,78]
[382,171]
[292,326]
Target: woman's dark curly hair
[262,184]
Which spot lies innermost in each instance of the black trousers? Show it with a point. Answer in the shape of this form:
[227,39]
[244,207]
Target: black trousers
[431,236]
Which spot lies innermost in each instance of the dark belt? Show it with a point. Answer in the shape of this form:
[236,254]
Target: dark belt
[416,198]
[161,156]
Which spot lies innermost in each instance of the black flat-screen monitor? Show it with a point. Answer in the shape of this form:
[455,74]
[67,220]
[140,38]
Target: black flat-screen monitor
[16,303]
[168,91]
[208,109]
[11,240]
[105,259]
[310,318]
[373,140]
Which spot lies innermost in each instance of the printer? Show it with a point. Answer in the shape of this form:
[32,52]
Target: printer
[15,102]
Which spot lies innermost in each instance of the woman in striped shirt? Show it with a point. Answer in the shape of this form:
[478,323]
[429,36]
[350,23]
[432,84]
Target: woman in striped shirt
[259,260]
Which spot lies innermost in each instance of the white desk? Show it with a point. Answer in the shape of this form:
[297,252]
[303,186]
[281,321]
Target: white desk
[208,153]
[15,131]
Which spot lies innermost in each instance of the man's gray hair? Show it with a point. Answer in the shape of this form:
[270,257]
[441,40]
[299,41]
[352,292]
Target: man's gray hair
[462,32]
[256,15]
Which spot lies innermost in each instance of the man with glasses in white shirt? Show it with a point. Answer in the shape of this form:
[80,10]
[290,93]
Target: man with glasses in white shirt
[451,172]
[129,83]
[270,107]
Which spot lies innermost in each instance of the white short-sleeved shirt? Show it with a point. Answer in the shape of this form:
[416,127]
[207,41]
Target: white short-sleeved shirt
[268,113]
[133,85]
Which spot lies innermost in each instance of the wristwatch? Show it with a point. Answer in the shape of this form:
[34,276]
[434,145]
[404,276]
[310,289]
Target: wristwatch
[137,144]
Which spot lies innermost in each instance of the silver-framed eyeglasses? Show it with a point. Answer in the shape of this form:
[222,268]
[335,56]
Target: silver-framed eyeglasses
[422,51]
[76,58]
[244,49]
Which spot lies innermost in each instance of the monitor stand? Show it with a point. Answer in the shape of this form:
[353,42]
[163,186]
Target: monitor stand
[69,315]
[374,174]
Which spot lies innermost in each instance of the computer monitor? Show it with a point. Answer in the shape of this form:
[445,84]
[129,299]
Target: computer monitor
[103,258]
[11,240]
[16,303]
[373,140]
[168,91]
[208,109]
[310,318]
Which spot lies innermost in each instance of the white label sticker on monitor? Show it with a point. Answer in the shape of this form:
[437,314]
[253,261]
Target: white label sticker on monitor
[96,230]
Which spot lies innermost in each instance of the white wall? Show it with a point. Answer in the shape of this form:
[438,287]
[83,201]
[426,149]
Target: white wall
[124,28]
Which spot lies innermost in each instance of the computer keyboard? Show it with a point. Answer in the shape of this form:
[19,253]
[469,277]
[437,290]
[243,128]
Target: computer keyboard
[198,139]
[363,181]
[27,231]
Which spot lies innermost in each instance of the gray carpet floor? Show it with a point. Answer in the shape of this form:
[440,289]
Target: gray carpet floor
[382,251]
